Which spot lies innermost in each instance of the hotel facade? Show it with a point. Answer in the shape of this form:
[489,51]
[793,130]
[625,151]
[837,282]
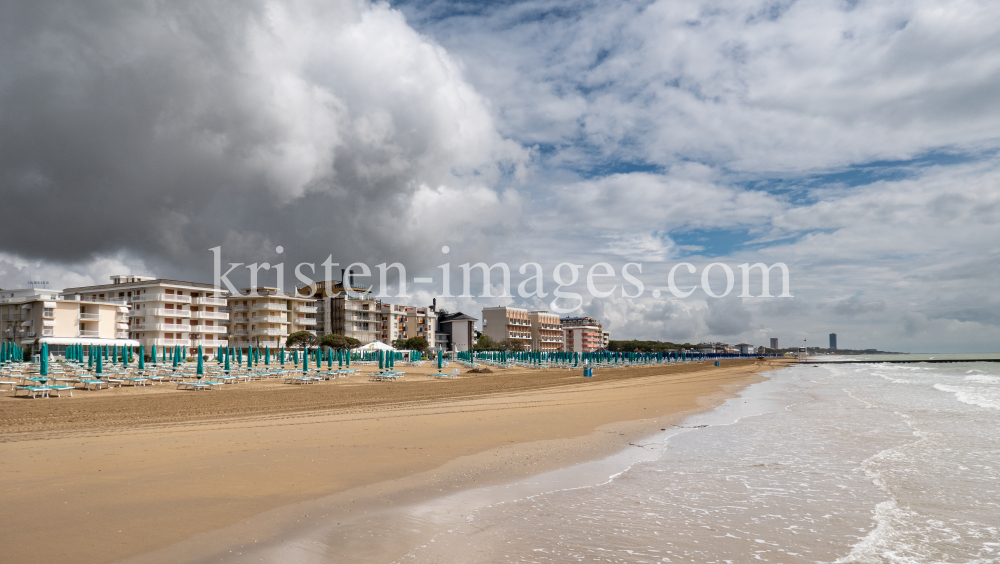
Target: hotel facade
[269,317]
[165,313]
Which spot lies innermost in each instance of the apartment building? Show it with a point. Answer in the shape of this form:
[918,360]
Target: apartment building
[546,331]
[404,322]
[347,311]
[583,334]
[500,323]
[30,317]
[455,331]
[269,317]
[165,313]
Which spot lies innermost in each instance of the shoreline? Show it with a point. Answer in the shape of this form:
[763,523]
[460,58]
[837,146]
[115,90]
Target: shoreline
[177,504]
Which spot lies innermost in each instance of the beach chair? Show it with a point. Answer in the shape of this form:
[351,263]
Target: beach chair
[35,391]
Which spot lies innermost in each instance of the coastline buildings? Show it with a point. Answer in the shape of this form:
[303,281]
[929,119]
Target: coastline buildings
[546,331]
[163,312]
[351,312]
[267,319]
[502,323]
[30,317]
[582,334]
[774,343]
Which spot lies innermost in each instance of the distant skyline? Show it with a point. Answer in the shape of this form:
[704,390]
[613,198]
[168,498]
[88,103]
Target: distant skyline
[855,141]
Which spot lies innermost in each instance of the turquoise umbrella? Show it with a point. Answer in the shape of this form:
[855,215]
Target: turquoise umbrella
[45,360]
[90,358]
[380,360]
[295,357]
[340,358]
[100,364]
[164,355]
[281,355]
[142,359]
[176,359]
[440,360]
[267,356]
[250,357]
[305,361]
[239,355]
[227,361]
[201,363]
[152,357]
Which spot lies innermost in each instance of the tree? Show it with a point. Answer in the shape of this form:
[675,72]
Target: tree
[486,343]
[413,344]
[334,341]
[301,339]
[512,345]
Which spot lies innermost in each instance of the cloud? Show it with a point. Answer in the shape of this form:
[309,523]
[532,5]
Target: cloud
[163,130]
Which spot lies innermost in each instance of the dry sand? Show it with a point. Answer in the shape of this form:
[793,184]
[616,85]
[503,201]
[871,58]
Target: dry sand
[116,473]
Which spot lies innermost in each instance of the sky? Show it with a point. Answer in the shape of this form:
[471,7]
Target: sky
[855,142]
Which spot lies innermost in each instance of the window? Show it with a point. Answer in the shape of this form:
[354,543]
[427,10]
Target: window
[48,312]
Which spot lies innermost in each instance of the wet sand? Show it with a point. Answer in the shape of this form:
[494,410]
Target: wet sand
[111,474]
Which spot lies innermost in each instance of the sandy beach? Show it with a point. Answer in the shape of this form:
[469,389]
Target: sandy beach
[113,474]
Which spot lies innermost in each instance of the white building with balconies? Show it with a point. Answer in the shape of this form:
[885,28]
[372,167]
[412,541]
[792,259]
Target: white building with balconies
[166,313]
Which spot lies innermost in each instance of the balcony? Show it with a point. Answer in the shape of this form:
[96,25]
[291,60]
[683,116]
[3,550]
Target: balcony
[209,301]
[90,317]
[305,321]
[305,309]
[241,319]
[240,333]
[169,298]
[208,343]
[269,319]
[240,308]
[121,335]
[270,307]
[215,330]
[209,315]
[271,332]
[172,342]
[164,327]
[160,312]
[89,334]
[224,322]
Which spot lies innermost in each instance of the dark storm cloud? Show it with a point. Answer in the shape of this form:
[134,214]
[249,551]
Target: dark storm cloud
[163,129]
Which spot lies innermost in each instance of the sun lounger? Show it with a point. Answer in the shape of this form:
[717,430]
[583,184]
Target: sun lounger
[7,383]
[441,374]
[302,380]
[135,381]
[35,391]
[199,385]
[58,389]
[87,383]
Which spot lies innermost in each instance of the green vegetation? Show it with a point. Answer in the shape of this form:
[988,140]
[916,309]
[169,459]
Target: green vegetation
[335,341]
[646,346]
[412,344]
[301,339]
[485,343]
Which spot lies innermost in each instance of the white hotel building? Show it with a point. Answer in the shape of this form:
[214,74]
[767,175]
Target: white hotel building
[165,313]
[267,319]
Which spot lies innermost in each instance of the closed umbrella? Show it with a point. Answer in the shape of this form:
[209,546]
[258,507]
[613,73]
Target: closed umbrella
[142,358]
[152,357]
[340,358]
[305,361]
[100,364]
[45,360]
[90,358]
[201,363]
[281,355]
[227,361]
[440,360]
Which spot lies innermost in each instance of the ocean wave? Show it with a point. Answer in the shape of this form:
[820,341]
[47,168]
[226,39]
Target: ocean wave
[983,379]
[972,395]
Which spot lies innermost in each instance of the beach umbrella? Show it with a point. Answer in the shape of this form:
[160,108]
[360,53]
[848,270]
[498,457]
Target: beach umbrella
[239,355]
[305,361]
[164,353]
[340,358]
[250,357]
[218,355]
[152,356]
[295,357]
[201,363]
[227,362]
[440,360]
[142,358]
[90,358]
[175,357]
[267,356]
[281,355]
[329,358]
[380,360]
[45,360]
[100,365]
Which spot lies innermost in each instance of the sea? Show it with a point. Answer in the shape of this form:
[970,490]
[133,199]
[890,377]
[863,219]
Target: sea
[821,462]
[849,463]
